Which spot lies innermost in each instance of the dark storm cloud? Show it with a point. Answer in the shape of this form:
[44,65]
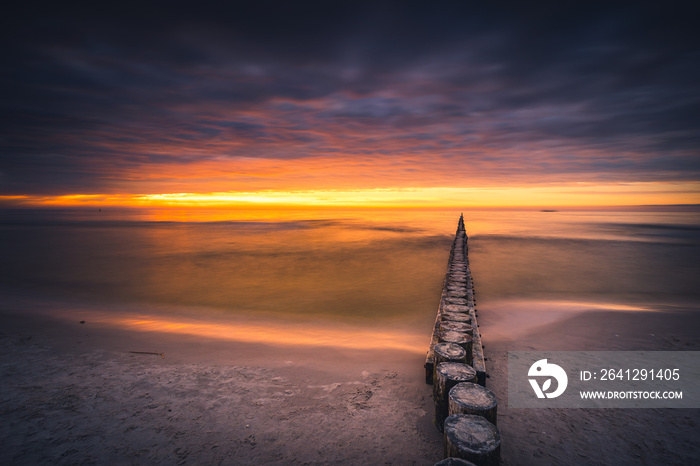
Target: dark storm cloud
[93,94]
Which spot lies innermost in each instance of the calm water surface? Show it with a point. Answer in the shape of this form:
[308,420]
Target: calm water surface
[358,272]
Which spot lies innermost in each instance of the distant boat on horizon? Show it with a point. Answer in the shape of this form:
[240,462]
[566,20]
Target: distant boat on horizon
[548,210]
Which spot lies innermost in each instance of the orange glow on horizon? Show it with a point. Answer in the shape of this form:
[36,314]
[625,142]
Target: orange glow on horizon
[564,195]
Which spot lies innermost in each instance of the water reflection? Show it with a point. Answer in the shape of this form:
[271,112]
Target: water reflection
[374,269]
[286,334]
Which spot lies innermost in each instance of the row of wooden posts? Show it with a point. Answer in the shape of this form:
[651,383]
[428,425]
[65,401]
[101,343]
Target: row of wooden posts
[465,410]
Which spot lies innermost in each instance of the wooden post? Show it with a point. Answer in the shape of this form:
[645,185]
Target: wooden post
[459,338]
[455,308]
[456,317]
[471,398]
[452,300]
[472,438]
[448,352]
[458,326]
[448,375]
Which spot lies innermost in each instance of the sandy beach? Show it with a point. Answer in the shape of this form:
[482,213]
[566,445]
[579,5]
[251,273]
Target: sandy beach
[597,436]
[75,394]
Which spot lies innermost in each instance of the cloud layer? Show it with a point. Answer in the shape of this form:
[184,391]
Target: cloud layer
[367,95]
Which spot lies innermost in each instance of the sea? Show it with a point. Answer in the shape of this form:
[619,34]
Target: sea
[346,277]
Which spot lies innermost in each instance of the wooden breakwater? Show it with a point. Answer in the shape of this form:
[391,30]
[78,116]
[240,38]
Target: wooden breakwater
[465,410]
[458,282]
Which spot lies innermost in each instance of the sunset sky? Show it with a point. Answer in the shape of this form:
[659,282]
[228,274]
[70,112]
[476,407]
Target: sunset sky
[365,103]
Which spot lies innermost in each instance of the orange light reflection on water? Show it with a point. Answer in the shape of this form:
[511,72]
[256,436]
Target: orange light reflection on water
[356,338]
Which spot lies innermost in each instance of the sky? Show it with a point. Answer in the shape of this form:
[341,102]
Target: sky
[350,103]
